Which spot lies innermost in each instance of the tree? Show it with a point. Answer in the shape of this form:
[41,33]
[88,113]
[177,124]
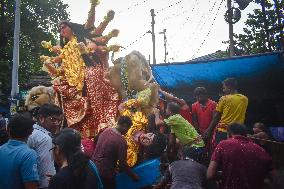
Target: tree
[255,40]
[39,21]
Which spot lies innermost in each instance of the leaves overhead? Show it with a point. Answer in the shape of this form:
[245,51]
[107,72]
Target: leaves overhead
[254,39]
[39,21]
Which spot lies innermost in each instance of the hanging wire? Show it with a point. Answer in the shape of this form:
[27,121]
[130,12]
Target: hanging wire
[174,15]
[202,22]
[135,5]
[171,49]
[212,24]
[169,6]
[136,40]
[207,15]
[187,18]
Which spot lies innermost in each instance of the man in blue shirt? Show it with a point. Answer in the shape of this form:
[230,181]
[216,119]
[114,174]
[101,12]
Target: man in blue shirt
[18,163]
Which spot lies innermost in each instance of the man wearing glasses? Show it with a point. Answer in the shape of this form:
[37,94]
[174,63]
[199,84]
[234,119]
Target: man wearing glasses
[49,119]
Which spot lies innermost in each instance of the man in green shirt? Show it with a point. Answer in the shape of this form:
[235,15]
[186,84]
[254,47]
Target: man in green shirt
[181,129]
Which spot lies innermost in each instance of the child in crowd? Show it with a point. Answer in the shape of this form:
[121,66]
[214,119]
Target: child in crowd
[260,132]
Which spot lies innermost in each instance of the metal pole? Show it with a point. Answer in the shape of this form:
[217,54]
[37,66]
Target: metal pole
[15,82]
[165,44]
[153,35]
[231,31]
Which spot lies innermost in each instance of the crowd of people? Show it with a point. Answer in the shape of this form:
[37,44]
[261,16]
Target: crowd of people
[203,145]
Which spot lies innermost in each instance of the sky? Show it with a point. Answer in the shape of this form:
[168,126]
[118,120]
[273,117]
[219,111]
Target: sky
[193,27]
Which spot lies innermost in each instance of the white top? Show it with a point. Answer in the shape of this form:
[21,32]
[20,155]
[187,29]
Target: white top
[40,140]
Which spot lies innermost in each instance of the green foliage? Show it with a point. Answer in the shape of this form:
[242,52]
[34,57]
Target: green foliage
[39,21]
[254,39]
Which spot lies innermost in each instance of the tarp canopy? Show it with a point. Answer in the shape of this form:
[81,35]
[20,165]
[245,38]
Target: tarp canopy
[179,75]
[260,78]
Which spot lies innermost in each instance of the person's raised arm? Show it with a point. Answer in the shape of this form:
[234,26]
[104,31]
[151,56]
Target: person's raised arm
[158,121]
[91,15]
[171,97]
[130,173]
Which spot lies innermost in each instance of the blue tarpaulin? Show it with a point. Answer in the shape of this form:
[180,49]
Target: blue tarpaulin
[175,75]
[260,77]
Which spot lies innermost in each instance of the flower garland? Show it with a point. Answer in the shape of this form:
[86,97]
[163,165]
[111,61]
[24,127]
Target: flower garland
[130,94]
[139,121]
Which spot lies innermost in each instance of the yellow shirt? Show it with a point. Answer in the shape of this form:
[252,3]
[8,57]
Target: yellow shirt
[232,108]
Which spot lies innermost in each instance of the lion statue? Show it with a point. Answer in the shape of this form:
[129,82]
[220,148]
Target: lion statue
[38,96]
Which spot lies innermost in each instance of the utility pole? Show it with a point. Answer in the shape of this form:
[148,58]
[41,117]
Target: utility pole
[165,44]
[15,82]
[153,35]
[231,31]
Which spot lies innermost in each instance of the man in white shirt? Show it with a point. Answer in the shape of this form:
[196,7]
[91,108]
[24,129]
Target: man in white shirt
[49,118]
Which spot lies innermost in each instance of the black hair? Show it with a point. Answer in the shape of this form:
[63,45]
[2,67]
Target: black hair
[81,33]
[20,126]
[157,147]
[124,121]
[237,129]
[200,91]
[231,82]
[47,110]
[173,107]
[78,29]
[69,142]
[34,112]
[25,113]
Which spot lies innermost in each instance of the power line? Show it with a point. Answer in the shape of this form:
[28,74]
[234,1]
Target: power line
[210,11]
[136,40]
[187,18]
[169,6]
[133,6]
[213,22]
[174,15]
[201,22]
